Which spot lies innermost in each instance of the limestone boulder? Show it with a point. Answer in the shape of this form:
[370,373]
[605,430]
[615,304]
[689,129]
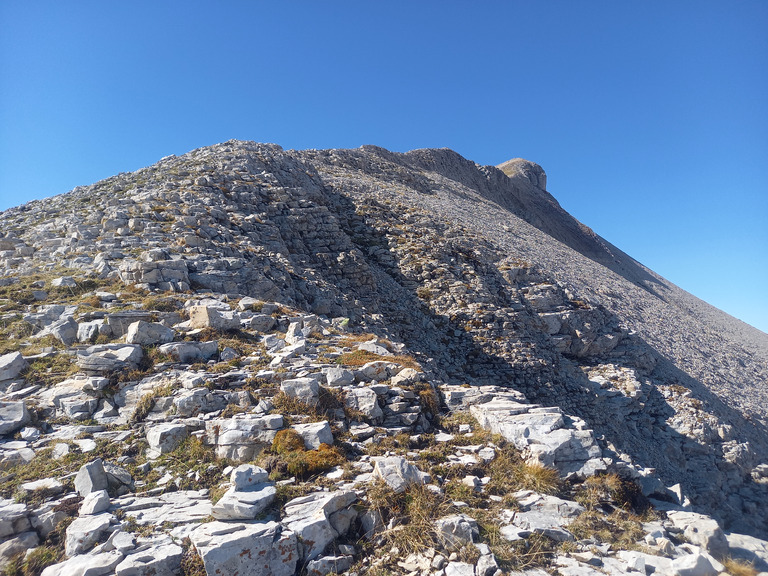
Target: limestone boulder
[253,549]
[162,559]
[110,358]
[244,436]
[91,478]
[398,473]
[13,416]
[210,317]
[148,333]
[314,434]
[701,530]
[85,531]
[318,519]
[165,438]
[11,366]
[86,565]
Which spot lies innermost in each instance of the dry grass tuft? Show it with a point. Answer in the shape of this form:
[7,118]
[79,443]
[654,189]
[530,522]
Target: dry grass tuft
[736,567]
[412,512]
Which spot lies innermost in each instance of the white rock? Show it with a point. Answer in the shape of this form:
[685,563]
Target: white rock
[158,560]
[338,376]
[257,549]
[86,565]
[110,357]
[329,564]
[365,400]
[244,505]
[695,565]
[13,415]
[91,478]
[312,518]
[398,473]
[305,389]
[165,438]
[94,503]
[459,569]
[456,531]
[242,438]
[247,476]
[148,333]
[701,530]
[314,434]
[11,365]
[85,531]
[209,317]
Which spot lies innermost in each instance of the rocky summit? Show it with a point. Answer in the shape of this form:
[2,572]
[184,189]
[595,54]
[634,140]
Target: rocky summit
[252,361]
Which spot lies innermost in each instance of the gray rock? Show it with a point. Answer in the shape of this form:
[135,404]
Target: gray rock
[91,478]
[19,543]
[209,317]
[50,485]
[247,476]
[116,324]
[64,330]
[261,323]
[157,560]
[701,530]
[543,434]
[365,400]
[257,549]
[11,365]
[89,331]
[311,517]
[198,401]
[459,569]
[64,282]
[165,438]
[13,415]
[148,333]
[14,518]
[456,531]
[542,514]
[314,434]
[190,352]
[94,503]
[86,565]
[110,358]
[182,507]
[749,549]
[85,531]
[338,376]
[244,505]
[398,473]
[244,436]
[305,389]
[329,564]
[696,565]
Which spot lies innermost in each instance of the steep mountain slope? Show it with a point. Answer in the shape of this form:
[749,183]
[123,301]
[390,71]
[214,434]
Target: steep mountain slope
[481,274]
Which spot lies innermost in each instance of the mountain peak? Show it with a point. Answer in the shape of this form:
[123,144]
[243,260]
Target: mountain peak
[356,324]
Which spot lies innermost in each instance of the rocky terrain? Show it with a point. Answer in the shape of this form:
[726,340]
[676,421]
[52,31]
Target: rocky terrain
[246,360]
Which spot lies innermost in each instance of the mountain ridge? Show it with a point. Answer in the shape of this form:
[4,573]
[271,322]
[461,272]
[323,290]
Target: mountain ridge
[481,276]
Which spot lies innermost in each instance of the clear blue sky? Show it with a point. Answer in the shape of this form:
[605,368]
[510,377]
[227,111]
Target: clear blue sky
[650,118]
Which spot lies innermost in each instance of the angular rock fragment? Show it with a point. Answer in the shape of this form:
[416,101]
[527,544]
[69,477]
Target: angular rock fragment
[318,519]
[11,366]
[13,415]
[398,473]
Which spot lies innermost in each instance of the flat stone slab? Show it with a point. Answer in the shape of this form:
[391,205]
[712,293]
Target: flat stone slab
[254,549]
[179,507]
